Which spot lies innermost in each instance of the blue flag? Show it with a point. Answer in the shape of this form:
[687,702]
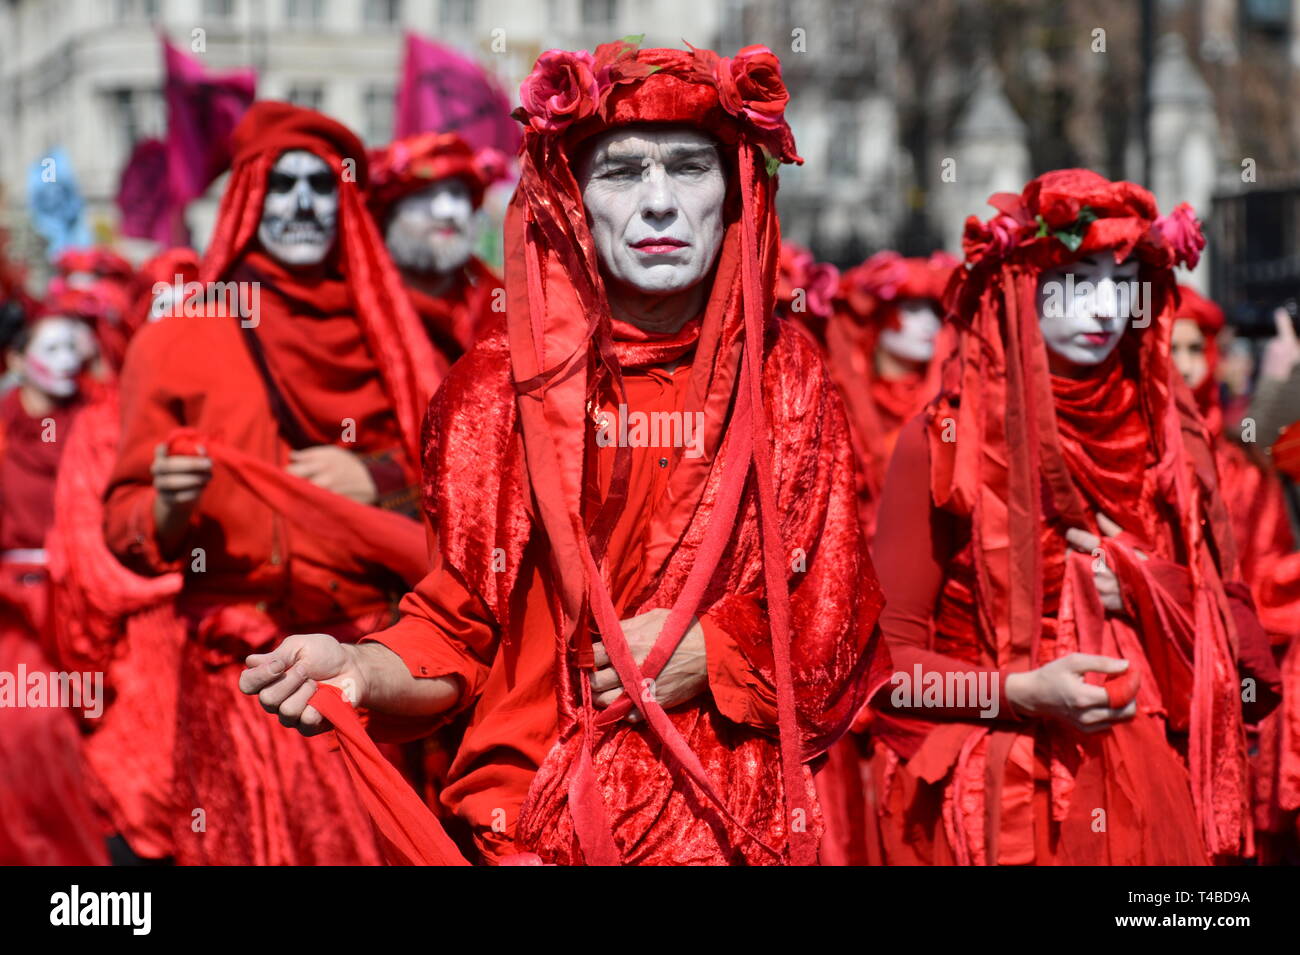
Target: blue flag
[54,201]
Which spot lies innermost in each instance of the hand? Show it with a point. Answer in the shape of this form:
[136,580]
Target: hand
[1282,351]
[1105,579]
[178,481]
[285,679]
[683,678]
[335,469]
[1059,690]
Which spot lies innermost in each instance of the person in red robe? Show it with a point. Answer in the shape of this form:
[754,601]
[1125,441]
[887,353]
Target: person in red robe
[721,576]
[269,454]
[424,191]
[881,343]
[1063,605]
[46,815]
[1269,563]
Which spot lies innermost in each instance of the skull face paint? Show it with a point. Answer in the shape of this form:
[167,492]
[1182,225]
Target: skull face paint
[1085,307]
[654,203]
[300,213]
[913,339]
[432,231]
[54,356]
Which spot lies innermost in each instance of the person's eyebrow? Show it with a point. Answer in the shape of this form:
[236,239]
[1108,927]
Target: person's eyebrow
[690,151]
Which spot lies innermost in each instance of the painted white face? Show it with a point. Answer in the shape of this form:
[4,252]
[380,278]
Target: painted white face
[1085,307]
[300,213]
[654,203]
[54,356]
[432,230]
[913,340]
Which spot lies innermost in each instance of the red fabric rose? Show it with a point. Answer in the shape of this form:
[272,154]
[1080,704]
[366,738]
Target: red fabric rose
[1182,232]
[560,90]
[750,85]
[996,238]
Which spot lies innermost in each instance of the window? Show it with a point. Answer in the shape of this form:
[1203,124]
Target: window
[842,153]
[380,12]
[379,102]
[456,13]
[308,95]
[599,13]
[218,9]
[136,11]
[304,13]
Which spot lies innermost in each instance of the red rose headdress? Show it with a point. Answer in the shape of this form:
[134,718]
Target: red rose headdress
[411,164]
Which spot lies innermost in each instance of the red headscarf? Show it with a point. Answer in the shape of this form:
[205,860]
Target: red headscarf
[871,291]
[1008,470]
[563,351]
[805,288]
[407,364]
[1209,319]
[416,162]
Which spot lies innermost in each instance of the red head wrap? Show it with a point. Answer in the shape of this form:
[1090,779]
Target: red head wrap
[416,162]
[407,363]
[871,291]
[1008,448]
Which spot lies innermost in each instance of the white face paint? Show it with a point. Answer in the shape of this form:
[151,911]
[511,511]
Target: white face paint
[1085,307]
[54,356]
[300,214]
[432,230]
[654,203]
[918,325]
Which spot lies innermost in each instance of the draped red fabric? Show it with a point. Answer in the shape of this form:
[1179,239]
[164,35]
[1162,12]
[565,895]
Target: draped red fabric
[1021,469]
[106,618]
[455,319]
[46,814]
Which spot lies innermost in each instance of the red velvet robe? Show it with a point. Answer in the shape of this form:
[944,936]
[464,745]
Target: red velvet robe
[46,817]
[509,778]
[267,796]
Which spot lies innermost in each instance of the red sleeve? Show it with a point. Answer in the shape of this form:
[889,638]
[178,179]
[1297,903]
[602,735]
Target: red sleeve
[914,541]
[444,631]
[149,413]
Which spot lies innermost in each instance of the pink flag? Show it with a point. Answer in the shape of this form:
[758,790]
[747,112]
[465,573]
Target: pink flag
[202,111]
[443,91]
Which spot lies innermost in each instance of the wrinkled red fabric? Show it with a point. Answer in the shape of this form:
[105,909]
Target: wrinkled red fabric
[455,319]
[46,815]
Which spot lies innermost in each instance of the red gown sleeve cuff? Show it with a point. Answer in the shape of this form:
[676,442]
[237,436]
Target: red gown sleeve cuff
[739,692]
[426,656]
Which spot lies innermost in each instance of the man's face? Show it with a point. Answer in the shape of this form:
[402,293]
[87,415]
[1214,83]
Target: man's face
[654,204]
[913,340]
[1188,352]
[1083,318]
[432,230]
[300,214]
[54,357]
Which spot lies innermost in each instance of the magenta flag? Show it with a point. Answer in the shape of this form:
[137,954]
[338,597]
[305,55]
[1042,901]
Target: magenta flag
[444,91]
[202,111]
